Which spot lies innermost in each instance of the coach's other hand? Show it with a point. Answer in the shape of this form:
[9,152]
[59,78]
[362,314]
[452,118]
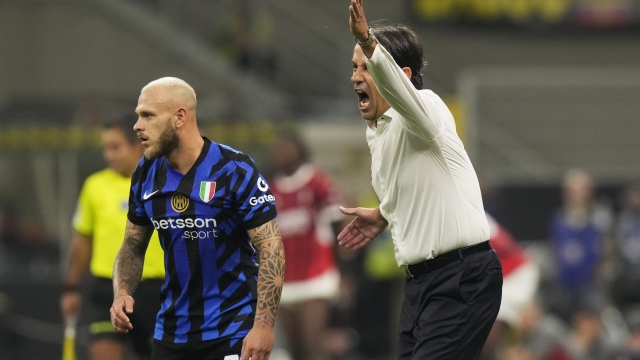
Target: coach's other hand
[122,306]
[368,224]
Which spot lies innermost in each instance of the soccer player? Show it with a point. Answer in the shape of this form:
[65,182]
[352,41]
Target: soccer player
[429,198]
[520,273]
[99,224]
[213,211]
[309,217]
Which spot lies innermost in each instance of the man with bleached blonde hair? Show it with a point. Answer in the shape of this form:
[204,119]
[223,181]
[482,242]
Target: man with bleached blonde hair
[216,220]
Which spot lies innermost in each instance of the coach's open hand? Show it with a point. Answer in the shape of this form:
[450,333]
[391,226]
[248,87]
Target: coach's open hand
[357,21]
[368,224]
[119,310]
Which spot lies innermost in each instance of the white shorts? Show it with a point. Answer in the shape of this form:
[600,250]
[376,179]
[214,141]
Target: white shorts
[324,286]
[518,291]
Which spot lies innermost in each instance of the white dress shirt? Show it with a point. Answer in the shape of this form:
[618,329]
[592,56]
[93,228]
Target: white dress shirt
[428,189]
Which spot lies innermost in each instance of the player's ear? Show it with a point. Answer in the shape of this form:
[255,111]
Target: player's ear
[181,117]
[407,71]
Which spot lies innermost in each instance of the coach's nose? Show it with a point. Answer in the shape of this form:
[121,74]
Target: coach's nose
[357,77]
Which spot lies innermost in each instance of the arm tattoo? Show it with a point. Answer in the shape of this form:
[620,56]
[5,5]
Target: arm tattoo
[267,242]
[127,270]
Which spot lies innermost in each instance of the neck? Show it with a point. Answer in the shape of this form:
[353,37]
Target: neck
[374,123]
[183,157]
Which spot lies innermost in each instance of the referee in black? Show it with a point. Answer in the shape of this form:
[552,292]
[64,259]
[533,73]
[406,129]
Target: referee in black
[429,199]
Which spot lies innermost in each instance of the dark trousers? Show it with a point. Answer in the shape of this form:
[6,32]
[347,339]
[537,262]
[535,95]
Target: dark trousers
[447,314]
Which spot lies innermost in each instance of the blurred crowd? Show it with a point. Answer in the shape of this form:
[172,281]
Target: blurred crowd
[587,303]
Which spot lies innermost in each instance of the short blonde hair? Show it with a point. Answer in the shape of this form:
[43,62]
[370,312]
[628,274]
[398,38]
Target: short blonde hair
[174,85]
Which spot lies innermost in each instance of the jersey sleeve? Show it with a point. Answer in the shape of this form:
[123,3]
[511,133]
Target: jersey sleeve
[137,215]
[84,217]
[423,115]
[256,204]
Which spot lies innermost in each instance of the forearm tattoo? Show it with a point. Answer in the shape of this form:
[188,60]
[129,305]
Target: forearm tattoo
[267,242]
[127,270]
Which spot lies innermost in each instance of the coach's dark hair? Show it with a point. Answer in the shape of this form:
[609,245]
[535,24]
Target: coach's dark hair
[404,45]
[125,124]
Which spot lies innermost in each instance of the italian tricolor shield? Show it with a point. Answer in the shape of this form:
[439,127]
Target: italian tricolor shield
[207,190]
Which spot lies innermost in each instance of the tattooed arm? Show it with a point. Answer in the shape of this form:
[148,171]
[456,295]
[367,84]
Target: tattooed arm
[127,272]
[267,242]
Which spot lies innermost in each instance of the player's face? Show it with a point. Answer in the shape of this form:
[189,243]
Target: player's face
[155,126]
[120,154]
[370,103]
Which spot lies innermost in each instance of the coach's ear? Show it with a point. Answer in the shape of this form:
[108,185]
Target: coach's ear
[407,71]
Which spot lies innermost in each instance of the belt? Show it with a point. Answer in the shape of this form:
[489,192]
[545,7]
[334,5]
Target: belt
[445,259]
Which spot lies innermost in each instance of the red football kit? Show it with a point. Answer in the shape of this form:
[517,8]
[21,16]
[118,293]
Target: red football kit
[307,204]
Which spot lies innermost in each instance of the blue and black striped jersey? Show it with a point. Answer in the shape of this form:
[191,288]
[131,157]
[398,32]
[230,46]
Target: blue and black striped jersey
[202,218]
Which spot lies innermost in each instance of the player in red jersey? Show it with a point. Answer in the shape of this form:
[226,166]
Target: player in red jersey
[307,203]
[520,282]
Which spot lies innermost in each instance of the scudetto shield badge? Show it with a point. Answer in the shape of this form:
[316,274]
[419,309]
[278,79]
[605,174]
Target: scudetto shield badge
[207,190]
[179,202]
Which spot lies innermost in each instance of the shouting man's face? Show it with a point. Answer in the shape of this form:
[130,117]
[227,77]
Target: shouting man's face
[370,103]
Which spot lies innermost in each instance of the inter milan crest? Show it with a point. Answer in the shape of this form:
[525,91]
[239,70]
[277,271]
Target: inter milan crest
[179,202]
[207,190]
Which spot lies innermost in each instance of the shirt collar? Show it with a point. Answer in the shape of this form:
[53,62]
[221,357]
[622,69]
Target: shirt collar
[385,119]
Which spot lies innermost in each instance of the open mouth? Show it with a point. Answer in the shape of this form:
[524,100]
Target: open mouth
[363,99]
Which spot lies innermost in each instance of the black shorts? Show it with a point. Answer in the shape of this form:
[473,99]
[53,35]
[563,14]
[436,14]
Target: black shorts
[219,349]
[143,318]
